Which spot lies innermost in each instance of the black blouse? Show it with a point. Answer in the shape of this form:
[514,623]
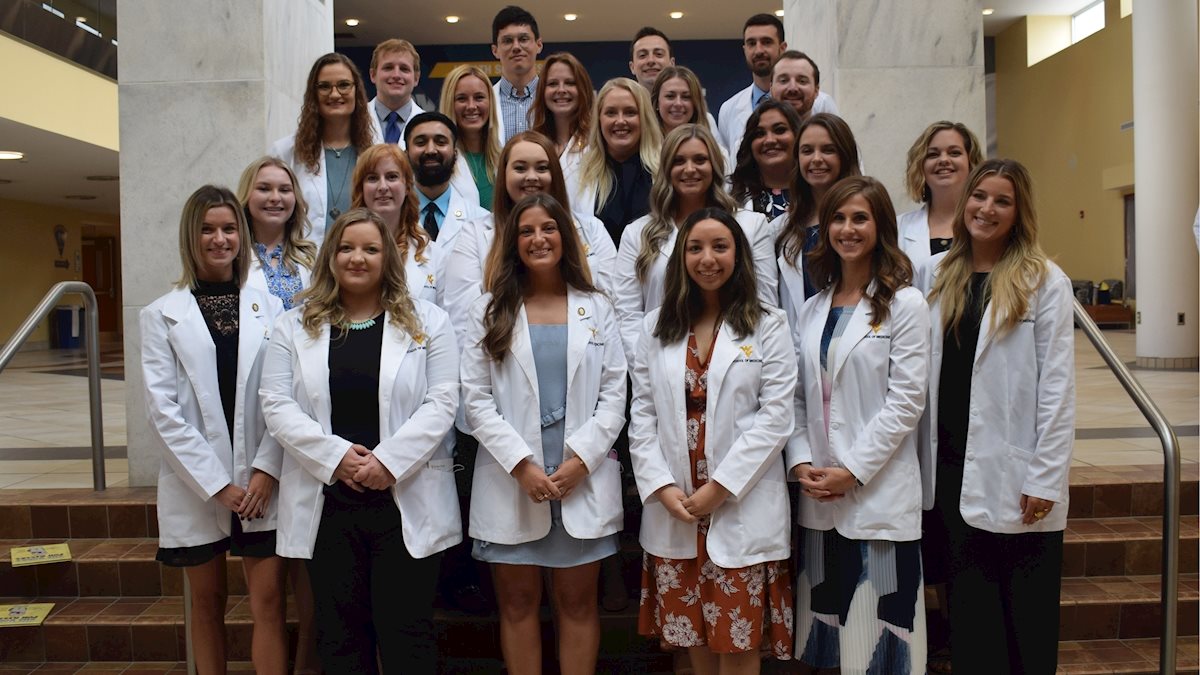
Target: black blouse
[629,199]
[218,302]
[354,392]
[954,381]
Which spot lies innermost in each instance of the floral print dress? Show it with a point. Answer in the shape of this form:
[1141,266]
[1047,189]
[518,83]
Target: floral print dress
[692,603]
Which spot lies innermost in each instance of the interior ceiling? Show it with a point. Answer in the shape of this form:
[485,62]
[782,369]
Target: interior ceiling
[56,166]
[599,21]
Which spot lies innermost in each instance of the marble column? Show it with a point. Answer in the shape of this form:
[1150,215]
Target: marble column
[1165,144]
[204,88]
[893,68]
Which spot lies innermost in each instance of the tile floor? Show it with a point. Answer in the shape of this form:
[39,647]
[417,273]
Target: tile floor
[45,434]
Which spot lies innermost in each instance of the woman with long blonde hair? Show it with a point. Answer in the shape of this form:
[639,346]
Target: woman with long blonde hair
[1000,426]
[690,180]
[621,157]
[468,99]
[368,495]
[278,217]
[383,182]
[334,127]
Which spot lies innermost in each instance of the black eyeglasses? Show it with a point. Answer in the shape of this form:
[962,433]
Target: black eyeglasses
[326,88]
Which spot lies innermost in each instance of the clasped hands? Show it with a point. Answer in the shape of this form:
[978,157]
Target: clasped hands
[250,502]
[824,484]
[701,503]
[360,470]
[539,487]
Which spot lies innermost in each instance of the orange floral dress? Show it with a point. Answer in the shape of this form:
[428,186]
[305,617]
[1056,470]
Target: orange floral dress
[691,603]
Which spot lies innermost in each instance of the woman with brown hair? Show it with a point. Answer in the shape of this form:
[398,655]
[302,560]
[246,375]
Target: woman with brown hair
[562,111]
[334,127]
[863,349]
[544,392]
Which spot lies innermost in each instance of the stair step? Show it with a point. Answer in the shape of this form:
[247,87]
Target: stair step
[1118,607]
[1128,545]
[1138,656]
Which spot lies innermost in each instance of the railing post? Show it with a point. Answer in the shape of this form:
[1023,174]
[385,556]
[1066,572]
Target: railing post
[92,335]
[1170,444]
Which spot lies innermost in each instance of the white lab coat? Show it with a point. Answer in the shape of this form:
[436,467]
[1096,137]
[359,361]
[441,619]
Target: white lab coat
[879,376]
[571,161]
[791,279]
[749,418]
[464,276]
[377,127]
[461,212]
[735,111]
[914,237]
[418,397]
[422,277]
[501,401]
[462,182]
[1022,418]
[257,278]
[635,298]
[183,399]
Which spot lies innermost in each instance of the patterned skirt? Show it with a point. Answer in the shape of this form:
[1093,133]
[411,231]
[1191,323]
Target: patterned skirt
[860,605]
[693,603]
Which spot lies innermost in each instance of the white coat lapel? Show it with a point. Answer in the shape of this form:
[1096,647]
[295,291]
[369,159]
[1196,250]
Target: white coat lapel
[813,331]
[452,221]
[857,329]
[581,329]
[394,348]
[312,357]
[985,331]
[252,330]
[724,351]
[522,350]
[191,340]
[794,279]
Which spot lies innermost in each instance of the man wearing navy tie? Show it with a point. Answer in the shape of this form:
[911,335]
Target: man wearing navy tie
[395,71]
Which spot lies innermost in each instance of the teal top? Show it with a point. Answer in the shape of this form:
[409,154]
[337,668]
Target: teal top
[483,180]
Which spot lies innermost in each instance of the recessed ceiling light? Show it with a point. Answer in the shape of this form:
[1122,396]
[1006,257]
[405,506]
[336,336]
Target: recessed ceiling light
[570,17]
[352,22]
[102,178]
[452,19]
[80,198]
[779,12]
[676,15]
[11,154]
[988,11]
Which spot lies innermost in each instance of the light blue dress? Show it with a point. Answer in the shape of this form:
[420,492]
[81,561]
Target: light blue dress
[558,548]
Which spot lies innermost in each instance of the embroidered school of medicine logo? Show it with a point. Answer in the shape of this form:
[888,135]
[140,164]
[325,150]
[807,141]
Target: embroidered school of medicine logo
[875,328]
[595,332]
[748,350]
[429,279]
[419,338]
[587,249]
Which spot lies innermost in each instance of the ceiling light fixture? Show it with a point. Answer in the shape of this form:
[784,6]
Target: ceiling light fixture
[779,12]
[50,8]
[570,17]
[352,22]
[988,11]
[11,154]
[676,15]
[81,19]
[452,19]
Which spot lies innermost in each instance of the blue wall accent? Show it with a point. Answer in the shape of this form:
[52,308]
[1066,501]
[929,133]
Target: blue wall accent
[718,63]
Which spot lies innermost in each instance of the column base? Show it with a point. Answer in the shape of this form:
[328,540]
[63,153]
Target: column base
[1159,363]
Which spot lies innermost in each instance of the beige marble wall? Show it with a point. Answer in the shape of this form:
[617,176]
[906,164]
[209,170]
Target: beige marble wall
[204,88]
[894,67]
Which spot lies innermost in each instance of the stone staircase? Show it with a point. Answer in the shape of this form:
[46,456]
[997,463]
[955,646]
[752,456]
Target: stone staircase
[118,610]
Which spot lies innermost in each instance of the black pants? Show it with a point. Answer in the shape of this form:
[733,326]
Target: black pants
[1003,590]
[369,592]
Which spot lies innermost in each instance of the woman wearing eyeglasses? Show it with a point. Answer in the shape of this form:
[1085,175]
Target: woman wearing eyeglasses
[334,127]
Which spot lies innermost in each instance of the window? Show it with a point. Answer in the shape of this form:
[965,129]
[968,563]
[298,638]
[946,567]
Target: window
[1086,21]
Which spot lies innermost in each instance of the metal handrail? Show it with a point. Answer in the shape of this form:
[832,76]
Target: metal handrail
[92,344]
[1170,443]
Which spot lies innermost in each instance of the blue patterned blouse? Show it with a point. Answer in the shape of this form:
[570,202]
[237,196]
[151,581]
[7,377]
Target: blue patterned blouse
[280,282]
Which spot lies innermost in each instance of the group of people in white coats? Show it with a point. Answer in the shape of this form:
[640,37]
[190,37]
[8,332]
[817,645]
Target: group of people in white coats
[350,318]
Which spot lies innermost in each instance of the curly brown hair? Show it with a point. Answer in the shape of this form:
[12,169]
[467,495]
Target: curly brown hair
[311,125]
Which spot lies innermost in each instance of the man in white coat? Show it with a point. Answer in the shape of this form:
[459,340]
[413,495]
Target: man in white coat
[763,44]
[395,72]
[516,42]
[432,148]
